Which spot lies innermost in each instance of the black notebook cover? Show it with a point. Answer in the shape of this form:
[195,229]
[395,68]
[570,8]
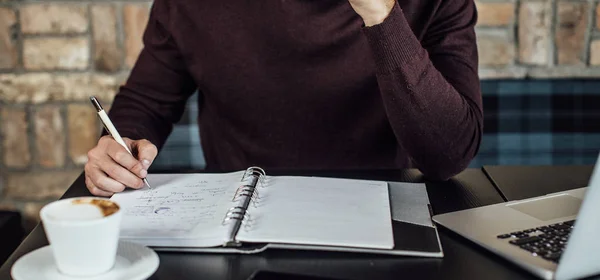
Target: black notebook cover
[414,232]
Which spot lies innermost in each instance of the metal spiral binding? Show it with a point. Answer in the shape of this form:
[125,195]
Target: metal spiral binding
[253,178]
[235,213]
[258,172]
[246,190]
[247,222]
[257,175]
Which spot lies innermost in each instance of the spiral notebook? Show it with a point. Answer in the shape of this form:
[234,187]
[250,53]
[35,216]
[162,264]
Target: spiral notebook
[248,212]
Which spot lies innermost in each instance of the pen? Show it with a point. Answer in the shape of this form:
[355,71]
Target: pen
[111,128]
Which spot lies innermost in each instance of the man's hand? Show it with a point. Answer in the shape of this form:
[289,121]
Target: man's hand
[373,12]
[110,168]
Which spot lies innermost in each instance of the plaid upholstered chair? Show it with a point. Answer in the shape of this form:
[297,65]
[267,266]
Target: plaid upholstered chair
[182,149]
[540,122]
[527,122]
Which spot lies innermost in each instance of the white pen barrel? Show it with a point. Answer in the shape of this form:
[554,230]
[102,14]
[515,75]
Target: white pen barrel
[112,130]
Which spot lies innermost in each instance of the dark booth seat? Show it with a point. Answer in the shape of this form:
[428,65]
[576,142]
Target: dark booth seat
[12,233]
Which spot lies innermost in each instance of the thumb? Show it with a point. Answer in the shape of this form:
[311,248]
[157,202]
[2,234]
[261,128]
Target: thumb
[145,151]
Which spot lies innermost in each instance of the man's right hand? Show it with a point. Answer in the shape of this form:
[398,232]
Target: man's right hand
[110,168]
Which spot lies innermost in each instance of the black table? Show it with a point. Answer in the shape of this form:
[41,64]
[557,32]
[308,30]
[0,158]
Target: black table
[463,260]
[521,182]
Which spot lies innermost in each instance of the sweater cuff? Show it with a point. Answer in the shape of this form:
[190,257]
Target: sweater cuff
[393,42]
[136,131]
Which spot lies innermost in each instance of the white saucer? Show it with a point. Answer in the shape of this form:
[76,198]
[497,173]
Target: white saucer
[133,262]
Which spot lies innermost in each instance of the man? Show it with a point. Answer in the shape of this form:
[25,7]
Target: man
[332,84]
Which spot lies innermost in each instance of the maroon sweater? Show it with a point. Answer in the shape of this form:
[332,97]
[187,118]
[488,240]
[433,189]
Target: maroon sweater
[301,84]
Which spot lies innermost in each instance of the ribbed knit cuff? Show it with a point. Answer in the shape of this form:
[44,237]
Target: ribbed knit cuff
[393,42]
[137,131]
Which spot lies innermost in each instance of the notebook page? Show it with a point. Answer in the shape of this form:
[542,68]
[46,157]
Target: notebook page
[321,211]
[179,210]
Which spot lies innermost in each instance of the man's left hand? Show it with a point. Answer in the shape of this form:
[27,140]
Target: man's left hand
[373,12]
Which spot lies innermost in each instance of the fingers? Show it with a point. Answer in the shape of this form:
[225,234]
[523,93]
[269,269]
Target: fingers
[111,168]
[117,172]
[100,180]
[123,158]
[146,152]
[94,189]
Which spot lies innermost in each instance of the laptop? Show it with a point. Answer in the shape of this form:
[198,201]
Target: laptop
[555,236]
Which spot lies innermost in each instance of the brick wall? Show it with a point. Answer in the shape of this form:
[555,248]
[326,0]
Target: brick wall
[54,55]
[539,39]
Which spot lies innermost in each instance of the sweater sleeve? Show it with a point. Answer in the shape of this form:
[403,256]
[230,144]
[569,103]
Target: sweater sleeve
[154,96]
[430,87]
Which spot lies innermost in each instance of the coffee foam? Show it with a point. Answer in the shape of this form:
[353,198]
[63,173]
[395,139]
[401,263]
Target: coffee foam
[77,212]
[83,210]
[107,207]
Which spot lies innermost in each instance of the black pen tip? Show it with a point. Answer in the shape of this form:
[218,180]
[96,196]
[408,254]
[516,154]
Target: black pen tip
[96,103]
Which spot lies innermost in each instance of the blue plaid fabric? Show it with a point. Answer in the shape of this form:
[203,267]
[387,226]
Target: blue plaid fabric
[183,149]
[540,122]
[527,122]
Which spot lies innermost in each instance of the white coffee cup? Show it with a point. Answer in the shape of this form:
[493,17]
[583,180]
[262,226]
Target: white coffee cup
[83,233]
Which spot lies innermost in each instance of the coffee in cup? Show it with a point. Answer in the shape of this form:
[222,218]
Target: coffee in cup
[83,233]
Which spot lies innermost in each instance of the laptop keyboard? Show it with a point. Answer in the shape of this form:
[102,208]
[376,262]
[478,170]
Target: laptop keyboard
[547,242]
